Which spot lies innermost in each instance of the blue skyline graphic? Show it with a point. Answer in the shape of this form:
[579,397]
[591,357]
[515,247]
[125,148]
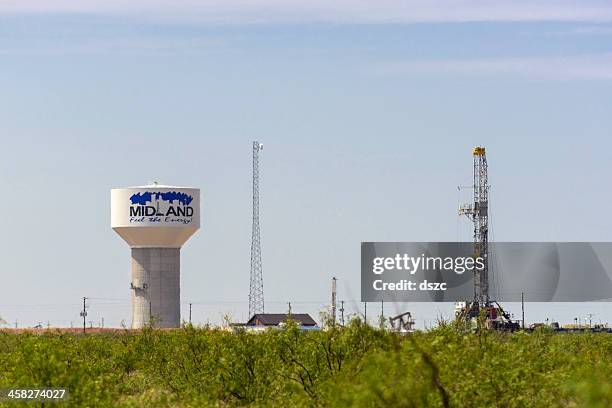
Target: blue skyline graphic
[171,196]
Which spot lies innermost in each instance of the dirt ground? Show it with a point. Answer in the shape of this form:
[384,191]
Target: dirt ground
[74,330]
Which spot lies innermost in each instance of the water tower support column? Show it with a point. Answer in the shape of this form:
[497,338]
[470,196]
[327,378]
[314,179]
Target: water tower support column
[156,287]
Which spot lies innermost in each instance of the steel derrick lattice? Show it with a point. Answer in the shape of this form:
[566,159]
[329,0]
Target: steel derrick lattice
[256,294]
[478,212]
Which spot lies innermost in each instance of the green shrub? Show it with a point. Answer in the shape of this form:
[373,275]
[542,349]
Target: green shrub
[356,365]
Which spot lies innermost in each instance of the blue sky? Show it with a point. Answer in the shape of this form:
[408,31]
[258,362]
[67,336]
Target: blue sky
[368,115]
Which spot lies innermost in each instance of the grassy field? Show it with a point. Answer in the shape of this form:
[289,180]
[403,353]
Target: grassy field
[354,366]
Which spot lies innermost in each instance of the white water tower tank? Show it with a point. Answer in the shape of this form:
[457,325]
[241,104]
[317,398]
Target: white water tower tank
[155,221]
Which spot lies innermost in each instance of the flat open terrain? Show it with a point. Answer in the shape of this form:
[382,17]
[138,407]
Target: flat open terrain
[354,366]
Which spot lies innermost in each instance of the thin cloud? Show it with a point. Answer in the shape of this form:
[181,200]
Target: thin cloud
[582,67]
[128,46]
[339,11]
[594,30]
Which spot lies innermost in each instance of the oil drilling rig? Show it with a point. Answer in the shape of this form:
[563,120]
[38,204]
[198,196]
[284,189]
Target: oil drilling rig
[478,212]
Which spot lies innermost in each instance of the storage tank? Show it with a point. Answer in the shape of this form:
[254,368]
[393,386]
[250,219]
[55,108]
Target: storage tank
[155,221]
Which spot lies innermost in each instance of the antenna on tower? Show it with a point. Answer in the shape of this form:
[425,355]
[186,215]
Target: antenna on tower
[256,295]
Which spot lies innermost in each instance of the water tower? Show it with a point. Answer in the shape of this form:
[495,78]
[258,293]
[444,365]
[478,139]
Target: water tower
[155,221]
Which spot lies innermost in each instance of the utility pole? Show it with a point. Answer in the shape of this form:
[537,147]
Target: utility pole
[289,304]
[523,308]
[84,314]
[15,323]
[342,311]
[189,313]
[334,301]
[365,312]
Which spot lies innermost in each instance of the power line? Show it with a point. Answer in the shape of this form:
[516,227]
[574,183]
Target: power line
[284,302]
[34,307]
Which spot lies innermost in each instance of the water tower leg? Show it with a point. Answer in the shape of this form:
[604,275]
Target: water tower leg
[156,293]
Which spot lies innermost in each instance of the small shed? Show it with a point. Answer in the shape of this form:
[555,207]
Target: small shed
[276,319]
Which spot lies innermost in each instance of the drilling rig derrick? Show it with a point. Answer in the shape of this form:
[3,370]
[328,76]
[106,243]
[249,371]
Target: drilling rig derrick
[478,212]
